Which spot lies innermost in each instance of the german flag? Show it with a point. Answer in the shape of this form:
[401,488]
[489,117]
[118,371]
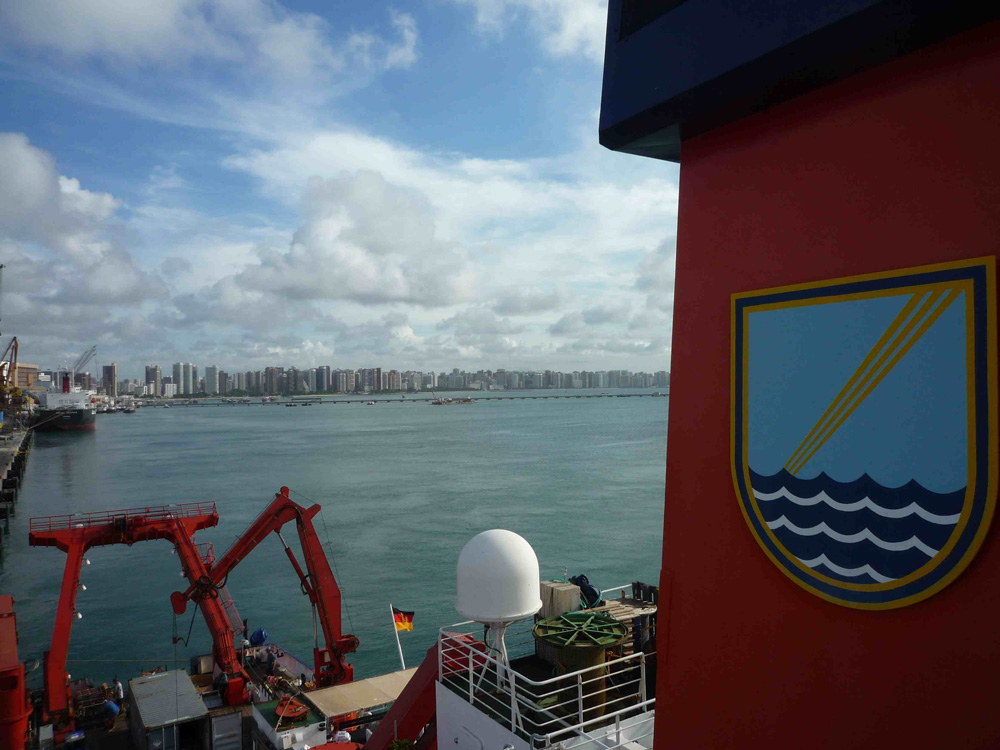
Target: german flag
[403,620]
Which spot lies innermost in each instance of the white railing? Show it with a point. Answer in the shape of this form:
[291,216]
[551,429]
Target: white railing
[623,591]
[601,707]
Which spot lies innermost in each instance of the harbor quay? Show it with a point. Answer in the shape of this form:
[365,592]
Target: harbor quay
[14,449]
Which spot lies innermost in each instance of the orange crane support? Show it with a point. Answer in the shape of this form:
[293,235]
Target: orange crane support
[76,533]
[318,583]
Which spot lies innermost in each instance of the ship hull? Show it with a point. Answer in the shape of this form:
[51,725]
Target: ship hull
[65,420]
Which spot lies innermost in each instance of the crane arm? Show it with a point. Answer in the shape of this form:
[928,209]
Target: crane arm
[75,534]
[84,359]
[318,581]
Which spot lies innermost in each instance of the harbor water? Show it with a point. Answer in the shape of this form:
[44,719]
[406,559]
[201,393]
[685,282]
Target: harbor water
[403,486]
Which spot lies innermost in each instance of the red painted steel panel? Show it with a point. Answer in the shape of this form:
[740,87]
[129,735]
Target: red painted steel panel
[14,706]
[893,168]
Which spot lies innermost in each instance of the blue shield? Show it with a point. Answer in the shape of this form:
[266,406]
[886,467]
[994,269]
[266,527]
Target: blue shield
[863,428]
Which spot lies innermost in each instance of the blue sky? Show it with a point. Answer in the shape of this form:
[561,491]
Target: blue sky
[245,183]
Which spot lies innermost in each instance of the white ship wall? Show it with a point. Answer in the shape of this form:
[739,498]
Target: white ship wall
[462,727]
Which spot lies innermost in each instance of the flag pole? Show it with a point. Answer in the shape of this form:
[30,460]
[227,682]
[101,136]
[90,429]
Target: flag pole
[395,630]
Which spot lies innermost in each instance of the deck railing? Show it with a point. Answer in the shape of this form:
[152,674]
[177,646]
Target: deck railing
[42,524]
[599,708]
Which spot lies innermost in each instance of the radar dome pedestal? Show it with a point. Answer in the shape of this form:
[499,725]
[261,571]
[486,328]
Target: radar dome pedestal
[498,583]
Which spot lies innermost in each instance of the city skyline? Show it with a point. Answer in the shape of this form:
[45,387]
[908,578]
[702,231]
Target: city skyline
[185,380]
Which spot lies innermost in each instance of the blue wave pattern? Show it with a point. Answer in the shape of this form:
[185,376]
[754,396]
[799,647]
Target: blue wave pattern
[859,531]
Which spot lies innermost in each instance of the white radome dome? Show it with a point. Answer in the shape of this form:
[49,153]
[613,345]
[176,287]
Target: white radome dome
[498,579]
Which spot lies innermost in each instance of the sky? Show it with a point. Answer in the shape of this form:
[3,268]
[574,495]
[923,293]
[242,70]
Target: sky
[248,183]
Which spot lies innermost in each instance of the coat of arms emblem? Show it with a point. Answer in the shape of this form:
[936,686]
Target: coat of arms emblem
[864,428]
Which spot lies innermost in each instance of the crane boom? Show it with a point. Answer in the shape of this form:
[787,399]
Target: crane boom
[74,534]
[318,582]
[8,372]
[84,359]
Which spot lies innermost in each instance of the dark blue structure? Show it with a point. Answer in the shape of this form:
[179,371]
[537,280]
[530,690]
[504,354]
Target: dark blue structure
[677,68]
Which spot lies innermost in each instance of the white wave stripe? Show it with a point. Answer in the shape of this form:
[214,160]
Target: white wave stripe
[867,502]
[822,528]
[847,572]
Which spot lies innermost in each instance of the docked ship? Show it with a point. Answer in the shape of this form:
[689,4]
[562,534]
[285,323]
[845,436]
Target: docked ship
[65,407]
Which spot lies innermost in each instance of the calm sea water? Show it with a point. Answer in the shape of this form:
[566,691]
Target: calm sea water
[403,487]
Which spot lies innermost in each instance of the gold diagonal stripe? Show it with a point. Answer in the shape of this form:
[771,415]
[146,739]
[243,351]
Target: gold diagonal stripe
[924,309]
[883,339]
[921,313]
[901,352]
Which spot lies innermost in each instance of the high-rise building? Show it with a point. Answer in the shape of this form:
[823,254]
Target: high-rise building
[187,379]
[212,380]
[323,378]
[271,376]
[109,378]
[154,378]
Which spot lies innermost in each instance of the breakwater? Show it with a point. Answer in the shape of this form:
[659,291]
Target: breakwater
[395,399]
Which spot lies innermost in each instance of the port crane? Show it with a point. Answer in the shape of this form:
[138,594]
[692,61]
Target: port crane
[8,360]
[76,533]
[317,582]
[69,377]
[8,370]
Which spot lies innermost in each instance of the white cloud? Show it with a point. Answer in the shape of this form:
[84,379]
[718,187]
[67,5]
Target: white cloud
[565,27]
[366,240]
[377,53]
[221,60]
[571,322]
[563,236]
[526,301]
[261,34]
[38,205]
[165,31]
[475,321]
[656,276]
[68,280]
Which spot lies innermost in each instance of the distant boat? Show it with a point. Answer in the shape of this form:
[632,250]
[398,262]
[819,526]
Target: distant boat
[370,403]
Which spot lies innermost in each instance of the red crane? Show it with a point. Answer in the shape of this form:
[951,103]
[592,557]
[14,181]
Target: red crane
[318,583]
[76,533]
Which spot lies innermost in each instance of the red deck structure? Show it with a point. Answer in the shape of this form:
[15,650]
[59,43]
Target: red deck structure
[76,533]
[14,706]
